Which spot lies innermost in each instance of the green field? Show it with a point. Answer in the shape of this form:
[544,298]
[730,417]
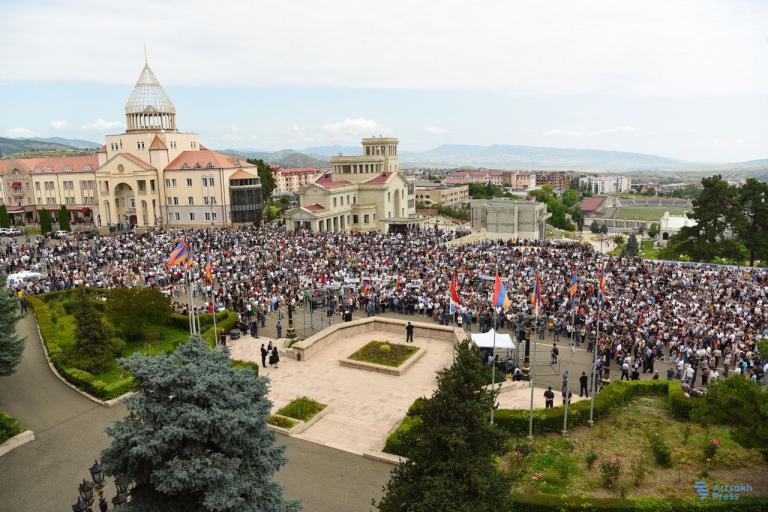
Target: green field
[648,212]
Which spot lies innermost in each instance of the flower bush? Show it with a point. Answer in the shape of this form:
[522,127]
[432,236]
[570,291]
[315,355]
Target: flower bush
[711,449]
[661,450]
[610,471]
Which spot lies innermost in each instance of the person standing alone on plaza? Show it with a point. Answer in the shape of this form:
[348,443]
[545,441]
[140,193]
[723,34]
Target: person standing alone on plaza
[279,329]
[409,333]
[583,384]
[263,356]
[549,397]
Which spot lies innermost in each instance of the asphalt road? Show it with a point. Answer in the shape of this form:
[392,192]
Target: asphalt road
[42,476]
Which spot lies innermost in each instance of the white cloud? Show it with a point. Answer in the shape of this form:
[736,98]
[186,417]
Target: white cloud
[58,125]
[20,132]
[353,126]
[649,48]
[101,124]
[434,130]
[233,135]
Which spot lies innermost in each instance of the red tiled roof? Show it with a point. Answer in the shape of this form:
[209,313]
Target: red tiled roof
[55,163]
[241,175]
[202,157]
[157,143]
[314,207]
[380,179]
[591,204]
[102,149]
[326,181]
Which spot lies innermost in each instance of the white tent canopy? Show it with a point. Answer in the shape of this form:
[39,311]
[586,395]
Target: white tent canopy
[485,340]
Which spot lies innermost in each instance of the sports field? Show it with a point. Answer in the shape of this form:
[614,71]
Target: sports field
[648,212]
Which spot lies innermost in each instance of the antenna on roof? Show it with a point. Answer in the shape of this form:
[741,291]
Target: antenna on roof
[145,54]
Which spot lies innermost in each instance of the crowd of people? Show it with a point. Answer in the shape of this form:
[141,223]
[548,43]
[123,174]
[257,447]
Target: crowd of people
[706,319]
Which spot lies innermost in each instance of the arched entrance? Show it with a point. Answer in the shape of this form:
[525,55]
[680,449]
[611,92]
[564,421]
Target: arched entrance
[125,204]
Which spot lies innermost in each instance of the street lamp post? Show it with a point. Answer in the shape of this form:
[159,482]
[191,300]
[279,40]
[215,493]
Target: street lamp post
[85,499]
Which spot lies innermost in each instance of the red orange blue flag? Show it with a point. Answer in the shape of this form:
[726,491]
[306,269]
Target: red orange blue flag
[499,292]
[573,289]
[179,254]
[601,287]
[454,290]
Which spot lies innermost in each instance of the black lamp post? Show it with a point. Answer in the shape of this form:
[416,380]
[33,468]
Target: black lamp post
[85,490]
[80,506]
[98,476]
[291,333]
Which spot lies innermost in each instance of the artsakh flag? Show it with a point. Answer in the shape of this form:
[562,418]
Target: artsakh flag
[536,298]
[454,291]
[208,268]
[601,287]
[499,292]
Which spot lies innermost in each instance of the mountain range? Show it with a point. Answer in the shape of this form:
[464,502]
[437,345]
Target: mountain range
[10,146]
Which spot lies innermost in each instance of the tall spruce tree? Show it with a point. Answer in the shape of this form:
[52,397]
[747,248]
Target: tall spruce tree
[451,465]
[45,221]
[94,348]
[5,219]
[753,224]
[63,218]
[632,247]
[196,436]
[11,346]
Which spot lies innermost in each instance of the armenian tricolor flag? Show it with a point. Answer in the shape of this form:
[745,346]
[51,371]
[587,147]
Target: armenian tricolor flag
[573,289]
[208,268]
[499,292]
[601,286]
[179,254]
[454,290]
[536,297]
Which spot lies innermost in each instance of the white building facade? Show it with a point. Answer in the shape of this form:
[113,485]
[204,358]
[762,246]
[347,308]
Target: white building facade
[606,184]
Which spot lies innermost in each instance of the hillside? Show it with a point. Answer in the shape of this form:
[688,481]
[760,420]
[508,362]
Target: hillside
[283,158]
[14,146]
[75,143]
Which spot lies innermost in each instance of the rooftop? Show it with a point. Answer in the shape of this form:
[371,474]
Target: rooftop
[148,96]
[206,159]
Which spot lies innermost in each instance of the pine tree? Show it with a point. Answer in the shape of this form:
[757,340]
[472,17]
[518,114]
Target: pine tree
[94,348]
[63,216]
[451,465]
[5,219]
[196,436]
[45,221]
[11,346]
[632,247]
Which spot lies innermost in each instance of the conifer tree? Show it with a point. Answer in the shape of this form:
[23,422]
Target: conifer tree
[45,221]
[5,219]
[452,451]
[94,348]
[11,346]
[63,216]
[196,436]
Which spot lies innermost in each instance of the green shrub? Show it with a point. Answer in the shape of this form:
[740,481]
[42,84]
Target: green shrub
[591,458]
[236,363]
[661,450]
[9,427]
[609,398]
[302,408]
[396,443]
[557,503]
[394,356]
[226,324]
[638,472]
[680,405]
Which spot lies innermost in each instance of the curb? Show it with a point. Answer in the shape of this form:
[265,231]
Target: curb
[385,457]
[18,440]
[108,403]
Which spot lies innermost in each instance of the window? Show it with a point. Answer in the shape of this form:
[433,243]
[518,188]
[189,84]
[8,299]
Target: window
[365,219]
[185,166]
[213,200]
[152,185]
[213,215]
[190,200]
[207,182]
[189,182]
[51,200]
[177,216]
[198,166]
[173,182]
[191,216]
[205,199]
[170,217]
[207,216]
[175,200]
[355,219]
[140,145]
[209,166]
[37,186]
[334,202]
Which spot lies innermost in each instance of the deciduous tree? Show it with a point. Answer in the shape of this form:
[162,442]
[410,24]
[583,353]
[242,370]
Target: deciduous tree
[196,436]
[131,310]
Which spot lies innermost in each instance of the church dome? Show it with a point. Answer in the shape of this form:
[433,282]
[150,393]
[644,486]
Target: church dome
[148,107]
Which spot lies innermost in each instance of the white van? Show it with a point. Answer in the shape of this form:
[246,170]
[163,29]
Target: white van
[25,276]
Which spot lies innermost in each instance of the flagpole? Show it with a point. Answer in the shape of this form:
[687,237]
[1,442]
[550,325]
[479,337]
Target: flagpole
[493,362]
[570,368]
[533,362]
[594,361]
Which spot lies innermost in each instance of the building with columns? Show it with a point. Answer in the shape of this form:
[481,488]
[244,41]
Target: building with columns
[509,219]
[360,193]
[150,175]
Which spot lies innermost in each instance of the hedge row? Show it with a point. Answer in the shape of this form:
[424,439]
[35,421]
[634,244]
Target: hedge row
[9,427]
[179,321]
[543,503]
[225,324]
[680,404]
[516,421]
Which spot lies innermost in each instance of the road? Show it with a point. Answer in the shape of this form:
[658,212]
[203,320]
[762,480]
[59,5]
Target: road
[42,476]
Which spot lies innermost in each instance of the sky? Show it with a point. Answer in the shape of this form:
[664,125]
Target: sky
[682,79]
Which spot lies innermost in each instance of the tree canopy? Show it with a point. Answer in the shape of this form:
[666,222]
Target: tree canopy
[265,176]
[63,218]
[452,450]
[196,436]
[5,219]
[131,309]
[94,348]
[45,221]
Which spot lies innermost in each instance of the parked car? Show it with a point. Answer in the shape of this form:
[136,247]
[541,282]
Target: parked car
[11,232]
[60,234]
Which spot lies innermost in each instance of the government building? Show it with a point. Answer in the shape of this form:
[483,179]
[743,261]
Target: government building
[150,175]
[360,193]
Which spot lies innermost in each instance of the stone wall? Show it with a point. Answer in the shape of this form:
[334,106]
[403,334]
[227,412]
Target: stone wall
[307,348]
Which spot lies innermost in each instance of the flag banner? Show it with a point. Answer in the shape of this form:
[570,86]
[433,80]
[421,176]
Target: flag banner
[454,291]
[178,254]
[573,289]
[499,292]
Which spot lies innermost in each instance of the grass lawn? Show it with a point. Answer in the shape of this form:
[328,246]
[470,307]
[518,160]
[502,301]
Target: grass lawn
[559,465]
[282,421]
[394,356]
[648,251]
[9,427]
[648,212]
[302,408]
